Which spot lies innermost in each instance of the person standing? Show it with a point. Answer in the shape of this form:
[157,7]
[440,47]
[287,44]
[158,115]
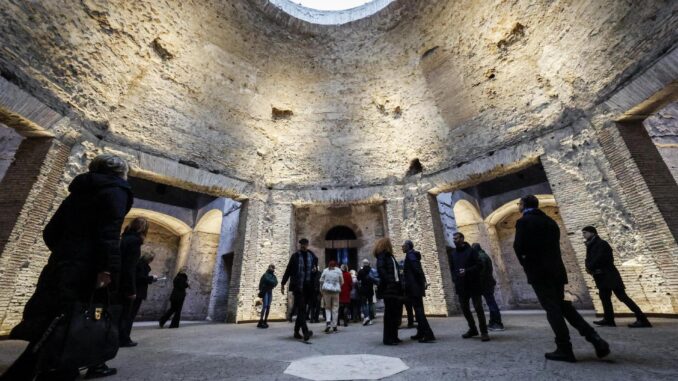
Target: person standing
[83,237]
[415,284]
[331,280]
[466,269]
[537,246]
[389,289]
[313,309]
[130,252]
[267,283]
[366,291]
[298,273]
[176,300]
[355,297]
[406,305]
[600,264]
[487,284]
[345,295]
[144,279]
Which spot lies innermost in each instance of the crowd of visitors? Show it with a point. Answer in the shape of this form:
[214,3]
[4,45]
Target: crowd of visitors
[91,261]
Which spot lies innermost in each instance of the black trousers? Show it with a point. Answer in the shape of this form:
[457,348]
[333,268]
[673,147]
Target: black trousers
[24,369]
[558,310]
[620,293]
[129,313]
[393,308]
[174,312]
[300,298]
[465,303]
[410,314]
[423,328]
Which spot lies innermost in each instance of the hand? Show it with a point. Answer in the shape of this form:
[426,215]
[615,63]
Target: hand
[132,297]
[103,279]
[462,272]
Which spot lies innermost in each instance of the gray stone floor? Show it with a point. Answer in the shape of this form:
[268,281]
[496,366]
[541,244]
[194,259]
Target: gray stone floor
[243,352]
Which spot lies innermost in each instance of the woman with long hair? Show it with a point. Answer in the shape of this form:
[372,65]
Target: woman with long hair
[130,252]
[389,289]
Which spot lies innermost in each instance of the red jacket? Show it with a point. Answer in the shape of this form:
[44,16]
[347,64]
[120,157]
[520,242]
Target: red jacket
[345,296]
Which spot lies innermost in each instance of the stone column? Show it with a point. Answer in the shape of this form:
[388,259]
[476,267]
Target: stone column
[29,195]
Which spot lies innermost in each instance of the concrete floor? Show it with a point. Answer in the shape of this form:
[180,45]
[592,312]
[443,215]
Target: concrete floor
[243,352]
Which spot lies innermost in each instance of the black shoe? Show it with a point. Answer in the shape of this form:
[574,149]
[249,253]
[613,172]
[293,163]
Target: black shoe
[334,329]
[601,346]
[416,337]
[562,353]
[605,323]
[391,343]
[641,323]
[495,327]
[100,371]
[265,325]
[308,335]
[484,337]
[398,341]
[161,324]
[327,329]
[297,335]
[260,325]
[128,344]
[173,326]
[470,333]
[425,339]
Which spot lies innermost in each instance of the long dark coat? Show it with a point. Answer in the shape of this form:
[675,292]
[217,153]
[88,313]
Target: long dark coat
[366,282]
[600,263]
[291,272]
[143,279]
[465,257]
[130,252]
[537,246]
[84,239]
[413,275]
[179,290]
[389,285]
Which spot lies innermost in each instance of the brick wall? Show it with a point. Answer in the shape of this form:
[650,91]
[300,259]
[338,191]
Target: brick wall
[28,196]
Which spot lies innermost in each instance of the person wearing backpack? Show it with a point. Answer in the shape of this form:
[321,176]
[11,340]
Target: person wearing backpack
[366,291]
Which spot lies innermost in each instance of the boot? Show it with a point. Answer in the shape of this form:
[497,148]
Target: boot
[472,332]
[605,323]
[601,346]
[563,352]
[641,322]
[484,337]
[308,335]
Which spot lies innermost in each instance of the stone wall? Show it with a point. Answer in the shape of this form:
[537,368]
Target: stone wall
[9,143]
[663,129]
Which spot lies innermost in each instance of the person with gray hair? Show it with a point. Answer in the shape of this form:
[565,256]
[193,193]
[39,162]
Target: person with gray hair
[366,284]
[83,237]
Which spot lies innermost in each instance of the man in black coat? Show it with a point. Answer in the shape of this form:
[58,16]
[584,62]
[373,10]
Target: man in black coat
[466,269]
[83,237]
[299,273]
[488,283]
[537,246]
[415,284]
[366,291]
[600,264]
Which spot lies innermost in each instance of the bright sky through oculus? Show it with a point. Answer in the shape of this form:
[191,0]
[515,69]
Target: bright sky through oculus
[331,5]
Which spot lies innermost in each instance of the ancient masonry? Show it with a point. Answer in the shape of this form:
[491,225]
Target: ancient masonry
[281,127]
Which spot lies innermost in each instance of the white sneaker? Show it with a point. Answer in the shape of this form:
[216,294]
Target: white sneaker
[366,321]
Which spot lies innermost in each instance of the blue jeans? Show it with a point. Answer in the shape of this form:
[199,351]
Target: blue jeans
[495,315]
[366,305]
[266,304]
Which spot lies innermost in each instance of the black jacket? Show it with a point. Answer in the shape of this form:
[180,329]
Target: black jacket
[464,257]
[366,283]
[180,286]
[389,286]
[600,263]
[291,272]
[130,252]
[487,281]
[84,239]
[537,245]
[414,278]
[143,279]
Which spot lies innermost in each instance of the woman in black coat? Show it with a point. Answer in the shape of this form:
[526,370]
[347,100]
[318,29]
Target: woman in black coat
[176,300]
[83,237]
[389,289]
[130,251]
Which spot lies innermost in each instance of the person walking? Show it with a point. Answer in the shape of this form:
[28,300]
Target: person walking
[298,273]
[176,300]
[389,289]
[366,291]
[537,246]
[487,284]
[466,269]
[313,309]
[332,281]
[355,297]
[267,283]
[83,237]
[143,280]
[345,295]
[415,285]
[600,264]
[130,252]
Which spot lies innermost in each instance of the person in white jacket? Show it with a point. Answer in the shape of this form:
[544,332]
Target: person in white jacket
[330,287]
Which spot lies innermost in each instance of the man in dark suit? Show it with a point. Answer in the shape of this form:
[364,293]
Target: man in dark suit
[299,272]
[415,290]
[466,268]
[537,246]
[600,264]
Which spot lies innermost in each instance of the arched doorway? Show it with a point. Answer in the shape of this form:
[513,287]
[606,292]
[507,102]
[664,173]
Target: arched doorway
[341,247]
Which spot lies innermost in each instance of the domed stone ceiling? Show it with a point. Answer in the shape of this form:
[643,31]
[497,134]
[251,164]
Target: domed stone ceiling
[244,89]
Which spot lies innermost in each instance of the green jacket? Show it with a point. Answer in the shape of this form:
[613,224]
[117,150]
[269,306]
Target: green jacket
[268,282]
[486,278]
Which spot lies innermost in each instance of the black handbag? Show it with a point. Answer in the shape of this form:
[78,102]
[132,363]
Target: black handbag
[86,337]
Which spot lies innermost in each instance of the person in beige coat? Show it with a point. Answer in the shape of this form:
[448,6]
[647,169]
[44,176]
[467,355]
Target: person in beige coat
[331,281]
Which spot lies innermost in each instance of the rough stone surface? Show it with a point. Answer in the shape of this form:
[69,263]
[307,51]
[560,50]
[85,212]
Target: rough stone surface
[9,143]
